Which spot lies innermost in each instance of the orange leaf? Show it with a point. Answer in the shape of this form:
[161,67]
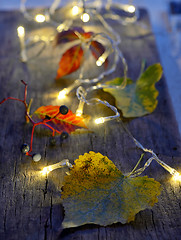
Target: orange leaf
[70,61]
[69,122]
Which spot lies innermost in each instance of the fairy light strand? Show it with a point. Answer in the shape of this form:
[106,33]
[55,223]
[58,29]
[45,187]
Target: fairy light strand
[127,8]
[39,18]
[54,6]
[172,171]
[117,40]
[117,56]
[81,95]
[134,173]
[61,164]
[65,25]
[21,35]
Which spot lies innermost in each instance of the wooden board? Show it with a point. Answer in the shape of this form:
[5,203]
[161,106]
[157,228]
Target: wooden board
[30,206]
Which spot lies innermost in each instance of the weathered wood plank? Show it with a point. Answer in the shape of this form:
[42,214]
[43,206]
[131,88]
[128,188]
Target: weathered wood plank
[30,206]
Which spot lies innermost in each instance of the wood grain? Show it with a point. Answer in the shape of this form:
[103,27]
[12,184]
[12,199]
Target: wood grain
[30,206]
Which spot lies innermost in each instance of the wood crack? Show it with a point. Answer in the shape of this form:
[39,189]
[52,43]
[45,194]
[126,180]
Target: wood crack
[5,218]
[46,188]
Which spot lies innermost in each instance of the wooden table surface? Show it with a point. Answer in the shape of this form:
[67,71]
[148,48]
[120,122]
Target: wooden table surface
[30,205]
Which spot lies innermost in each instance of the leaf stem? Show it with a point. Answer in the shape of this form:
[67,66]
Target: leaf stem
[134,169]
[143,64]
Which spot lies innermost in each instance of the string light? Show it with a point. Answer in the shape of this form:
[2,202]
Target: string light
[63,163]
[79,113]
[103,57]
[54,6]
[131,8]
[21,35]
[176,176]
[100,61]
[46,170]
[130,16]
[61,27]
[40,18]
[62,94]
[99,120]
[85,17]
[21,31]
[136,172]
[75,10]
[81,95]
[112,47]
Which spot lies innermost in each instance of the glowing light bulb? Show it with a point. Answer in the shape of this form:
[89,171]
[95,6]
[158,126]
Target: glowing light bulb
[46,170]
[21,35]
[60,27]
[40,18]
[176,176]
[100,61]
[62,94]
[131,9]
[21,31]
[75,10]
[78,113]
[85,17]
[63,163]
[99,120]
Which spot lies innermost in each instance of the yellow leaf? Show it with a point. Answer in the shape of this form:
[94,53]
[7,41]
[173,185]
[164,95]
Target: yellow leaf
[97,192]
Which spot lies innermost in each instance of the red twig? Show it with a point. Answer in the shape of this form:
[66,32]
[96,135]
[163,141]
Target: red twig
[11,98]
[43,122]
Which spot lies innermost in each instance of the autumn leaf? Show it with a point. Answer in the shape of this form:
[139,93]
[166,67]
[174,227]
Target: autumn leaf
[70,61]
[68,123]
[72,58]
[139,98]
[97,192]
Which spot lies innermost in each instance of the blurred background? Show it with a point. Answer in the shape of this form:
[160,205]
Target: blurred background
[165,17]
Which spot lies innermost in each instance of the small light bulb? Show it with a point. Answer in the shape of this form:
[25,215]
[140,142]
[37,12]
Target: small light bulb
[75,10]
[85,17]
[21,31]
[46,170]
[176,176]
[78,113]
[62,94]
[40,18]
[60,27]
[99,120]
[131,9]
[63,163]
[100,61]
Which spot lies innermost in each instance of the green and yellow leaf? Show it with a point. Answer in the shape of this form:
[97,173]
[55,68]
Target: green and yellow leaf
[140,98]
[97,192]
